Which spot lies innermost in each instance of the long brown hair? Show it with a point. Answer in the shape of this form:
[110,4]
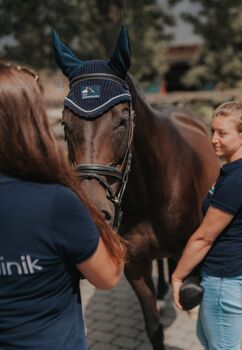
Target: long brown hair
[29,150]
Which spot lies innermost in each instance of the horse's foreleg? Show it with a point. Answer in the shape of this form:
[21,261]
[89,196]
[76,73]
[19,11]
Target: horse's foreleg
[139,276]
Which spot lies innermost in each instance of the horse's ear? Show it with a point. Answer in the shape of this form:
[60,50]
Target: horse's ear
[120,59]
[65,58]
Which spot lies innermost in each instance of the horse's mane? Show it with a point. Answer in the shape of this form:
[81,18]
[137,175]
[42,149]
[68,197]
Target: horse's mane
[175,114]
[155,126]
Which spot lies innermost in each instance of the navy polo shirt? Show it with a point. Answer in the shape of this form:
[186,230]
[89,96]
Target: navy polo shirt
[225,257]
[45,231]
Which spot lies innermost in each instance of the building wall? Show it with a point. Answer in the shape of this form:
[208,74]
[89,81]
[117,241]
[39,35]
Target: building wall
[56,87]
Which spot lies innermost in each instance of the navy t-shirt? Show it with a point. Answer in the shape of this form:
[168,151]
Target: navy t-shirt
[44,231]
[225,257]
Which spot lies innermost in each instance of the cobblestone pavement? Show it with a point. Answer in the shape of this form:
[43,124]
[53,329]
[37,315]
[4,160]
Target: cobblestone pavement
[114,321]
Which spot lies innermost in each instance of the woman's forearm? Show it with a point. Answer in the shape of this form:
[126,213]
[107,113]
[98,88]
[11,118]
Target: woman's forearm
[195,251]
[214,222]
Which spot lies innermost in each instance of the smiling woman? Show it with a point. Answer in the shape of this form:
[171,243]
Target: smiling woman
[226,131]
[217,243]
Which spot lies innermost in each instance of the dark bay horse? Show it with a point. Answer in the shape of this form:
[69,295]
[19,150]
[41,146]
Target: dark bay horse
[173,166]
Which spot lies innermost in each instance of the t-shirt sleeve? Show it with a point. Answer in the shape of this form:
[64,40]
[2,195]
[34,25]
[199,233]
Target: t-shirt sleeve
[74,233]
[228,195]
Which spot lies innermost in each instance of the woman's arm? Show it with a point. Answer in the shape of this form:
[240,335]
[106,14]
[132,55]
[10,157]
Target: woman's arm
[214,222]
[100,269]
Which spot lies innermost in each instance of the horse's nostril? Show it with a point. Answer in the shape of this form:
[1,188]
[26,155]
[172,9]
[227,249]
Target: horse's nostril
[107,216]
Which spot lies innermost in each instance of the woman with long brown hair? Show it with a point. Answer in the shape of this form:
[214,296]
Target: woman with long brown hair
[47,234]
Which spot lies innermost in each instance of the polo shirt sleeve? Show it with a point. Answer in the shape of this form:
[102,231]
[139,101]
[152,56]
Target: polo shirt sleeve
[73,230]
[228,195]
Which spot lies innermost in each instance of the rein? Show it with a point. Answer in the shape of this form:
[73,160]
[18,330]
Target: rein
[100,172]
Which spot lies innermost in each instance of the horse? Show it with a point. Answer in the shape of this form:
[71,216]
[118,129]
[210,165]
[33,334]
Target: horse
[160,191]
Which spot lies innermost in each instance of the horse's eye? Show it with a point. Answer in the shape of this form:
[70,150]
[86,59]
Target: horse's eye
[123,121]
[111,180]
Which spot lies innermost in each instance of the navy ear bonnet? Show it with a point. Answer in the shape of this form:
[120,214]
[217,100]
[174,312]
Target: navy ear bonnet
[94,95]
[98,85]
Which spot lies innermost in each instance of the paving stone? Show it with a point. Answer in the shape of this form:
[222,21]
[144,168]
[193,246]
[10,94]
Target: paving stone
[124,312]
[138,316]
[103,326]
[136,307]
[100,306]
[125,321]
[143,337]
[145,346]
[197,346]
[140,326]
[121,303]
[100,316]
[126,331]
[126,342]
[104,346]
[101,336]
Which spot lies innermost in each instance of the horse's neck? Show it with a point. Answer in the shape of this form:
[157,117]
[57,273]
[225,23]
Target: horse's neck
[151,155]
[152,129]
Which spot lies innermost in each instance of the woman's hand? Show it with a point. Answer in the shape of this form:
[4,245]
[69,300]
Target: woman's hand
[176,286]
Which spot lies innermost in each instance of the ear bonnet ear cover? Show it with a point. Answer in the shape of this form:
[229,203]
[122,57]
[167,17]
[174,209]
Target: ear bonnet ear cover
[97,85]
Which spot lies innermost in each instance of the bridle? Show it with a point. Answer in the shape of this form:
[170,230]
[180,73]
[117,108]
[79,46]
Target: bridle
[101,172]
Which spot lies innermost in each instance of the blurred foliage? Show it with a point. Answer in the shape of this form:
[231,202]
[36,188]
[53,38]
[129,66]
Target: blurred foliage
[147,22]
[219,61]
[89,27]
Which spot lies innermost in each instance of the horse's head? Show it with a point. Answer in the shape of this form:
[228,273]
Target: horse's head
[98,123]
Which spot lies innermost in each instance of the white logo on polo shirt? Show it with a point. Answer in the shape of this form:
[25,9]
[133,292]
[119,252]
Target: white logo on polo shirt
[26,265]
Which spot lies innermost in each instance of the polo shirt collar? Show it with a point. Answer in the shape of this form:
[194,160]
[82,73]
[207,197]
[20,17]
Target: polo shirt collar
[229,167]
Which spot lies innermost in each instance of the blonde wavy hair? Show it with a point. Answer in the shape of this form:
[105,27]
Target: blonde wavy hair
[232,110]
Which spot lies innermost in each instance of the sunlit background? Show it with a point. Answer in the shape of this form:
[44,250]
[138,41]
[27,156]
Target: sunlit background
[186,52]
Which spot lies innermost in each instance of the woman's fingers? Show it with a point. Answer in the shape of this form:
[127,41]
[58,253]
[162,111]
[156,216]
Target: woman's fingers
[176,286]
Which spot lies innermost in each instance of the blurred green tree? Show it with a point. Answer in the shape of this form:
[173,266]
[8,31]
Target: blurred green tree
[26,26]
[148,22]
[219,61]
[89,27]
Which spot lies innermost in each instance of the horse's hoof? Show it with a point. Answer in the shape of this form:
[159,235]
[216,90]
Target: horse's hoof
[191,293]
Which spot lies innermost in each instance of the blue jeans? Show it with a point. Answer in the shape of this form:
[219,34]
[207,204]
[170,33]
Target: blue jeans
[219,325]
